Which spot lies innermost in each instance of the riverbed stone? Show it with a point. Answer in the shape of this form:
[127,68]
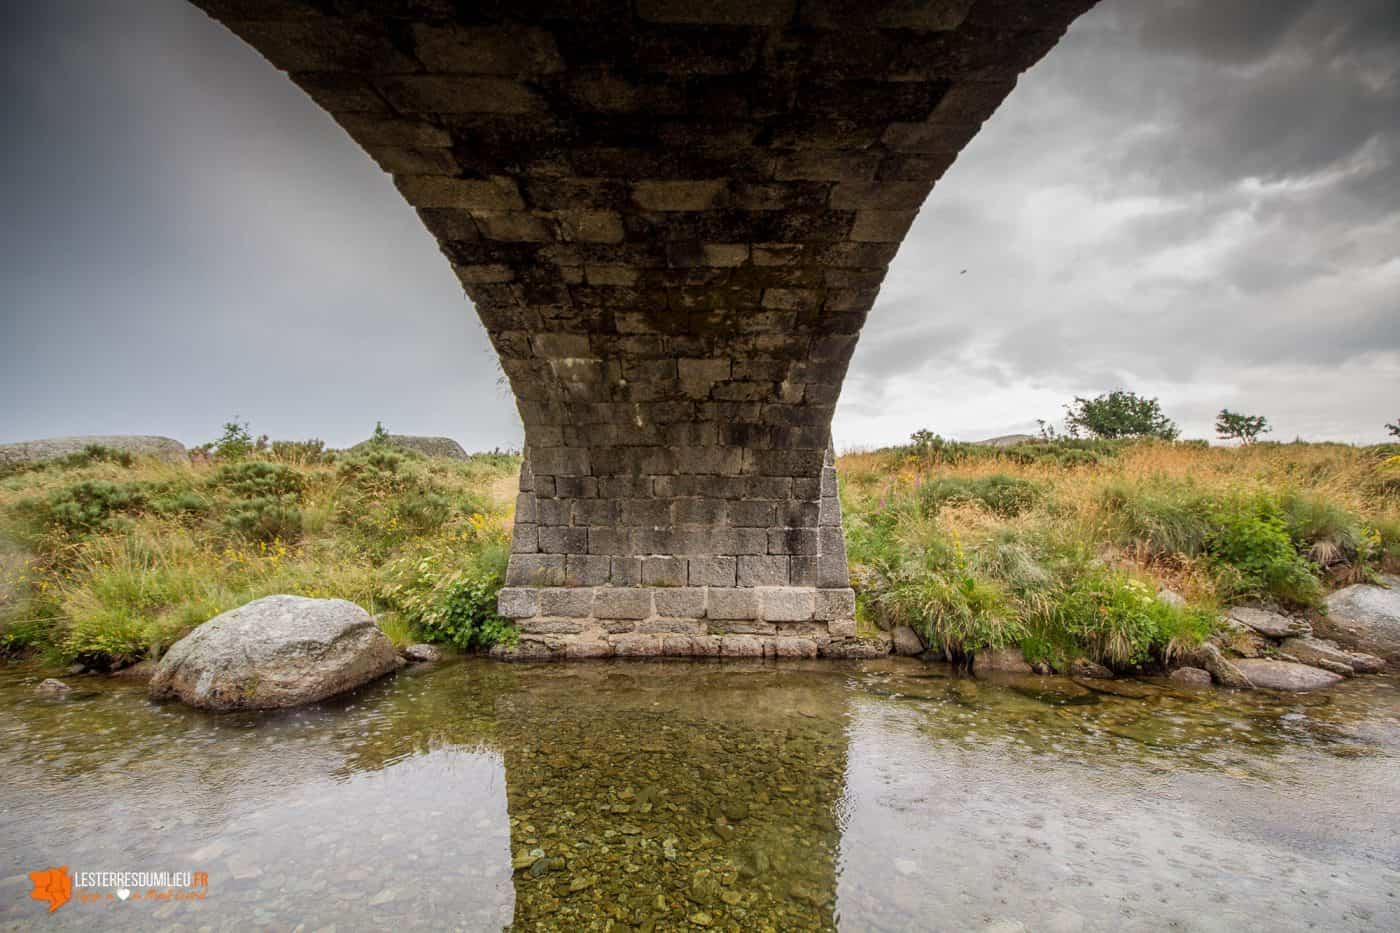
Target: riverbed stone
[1001,660]
[141,671]
[52,687]
[906,641]
[1083,667]
[1366,617]
[1285,675]
[1225,672]
[1321,652]
[1191,676]
[274,652]
[422,653]
[1272,624]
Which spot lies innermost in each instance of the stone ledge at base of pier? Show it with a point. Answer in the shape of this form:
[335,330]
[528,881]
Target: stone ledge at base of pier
[565,623]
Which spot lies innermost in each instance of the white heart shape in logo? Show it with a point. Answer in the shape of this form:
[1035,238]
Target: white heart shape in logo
[124,893]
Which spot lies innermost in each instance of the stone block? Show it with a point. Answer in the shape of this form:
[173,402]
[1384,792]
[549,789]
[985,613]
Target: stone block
[525,507]
[672,627]
[713,571]
[540,625]
[842,628]
[635,646]
[732,604]
[664,571]
[587,569]
[680,602]
[744,646]
[614,602]
[780,540]
[563,540]
[839,603]
[535,570]
[524,539]
[567,601]
[518,602]
[788,603]
[763,570]
[792,647]
[698,195]
[586,648]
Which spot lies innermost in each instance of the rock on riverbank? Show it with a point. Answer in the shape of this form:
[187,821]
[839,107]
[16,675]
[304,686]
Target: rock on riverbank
[273,652]
[1366,618]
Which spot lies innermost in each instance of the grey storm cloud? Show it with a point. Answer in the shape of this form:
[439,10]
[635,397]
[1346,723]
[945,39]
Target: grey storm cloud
[1195,198]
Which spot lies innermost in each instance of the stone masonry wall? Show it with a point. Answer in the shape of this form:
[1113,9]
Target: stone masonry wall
[672,217]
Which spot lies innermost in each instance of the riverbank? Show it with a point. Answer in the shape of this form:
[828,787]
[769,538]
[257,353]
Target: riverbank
[1122,555]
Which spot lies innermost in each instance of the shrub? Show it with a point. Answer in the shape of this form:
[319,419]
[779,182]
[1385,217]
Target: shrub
[1326,532]
[1007,496]
[1120,622]
[302,453]
[457,606]
[1254,556]
[1161,519]
[264,519]
[88,506]
[259,479]
[235,443]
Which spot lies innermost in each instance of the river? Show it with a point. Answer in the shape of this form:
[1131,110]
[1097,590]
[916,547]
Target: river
[886,795]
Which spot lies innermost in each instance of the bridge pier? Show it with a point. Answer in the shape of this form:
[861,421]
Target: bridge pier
[672,218]
[704,559]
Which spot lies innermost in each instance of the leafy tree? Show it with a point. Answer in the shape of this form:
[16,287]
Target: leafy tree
[1394,429]
[380,437]
[1119,413]
[236,442]
[1231,425]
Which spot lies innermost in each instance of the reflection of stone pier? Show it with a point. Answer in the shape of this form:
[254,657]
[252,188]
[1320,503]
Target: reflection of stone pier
[704,802]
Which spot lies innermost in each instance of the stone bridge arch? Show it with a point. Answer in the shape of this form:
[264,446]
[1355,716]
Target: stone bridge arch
[673,217]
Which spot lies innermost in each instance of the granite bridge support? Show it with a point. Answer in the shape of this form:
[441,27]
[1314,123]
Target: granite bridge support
[672,217]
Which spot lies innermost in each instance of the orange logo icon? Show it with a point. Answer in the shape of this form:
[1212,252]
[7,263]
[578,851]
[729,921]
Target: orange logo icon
[52,885]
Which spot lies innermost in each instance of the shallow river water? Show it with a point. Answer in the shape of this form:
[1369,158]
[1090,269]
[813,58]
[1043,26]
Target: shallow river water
[879,796]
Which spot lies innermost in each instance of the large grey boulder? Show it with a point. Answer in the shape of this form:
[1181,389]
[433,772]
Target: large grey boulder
[1365,618]
[434,448]
[140,445]
[1285,675]
[273,652]
[1272,624]
[906,641]
[1320,652]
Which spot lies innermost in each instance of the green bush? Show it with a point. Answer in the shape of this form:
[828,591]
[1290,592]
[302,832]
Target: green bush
[259,479]
[264,519]
[1161,519]
[89,505]
[1254,556]
[456,606]
[305,453]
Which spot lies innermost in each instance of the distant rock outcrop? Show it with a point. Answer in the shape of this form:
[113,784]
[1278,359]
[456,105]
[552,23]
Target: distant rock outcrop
[1006,440]
[140,445]
[434,448]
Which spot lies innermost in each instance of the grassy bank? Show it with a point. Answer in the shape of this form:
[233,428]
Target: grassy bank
[1062,548]
[1065,548]
[110,559]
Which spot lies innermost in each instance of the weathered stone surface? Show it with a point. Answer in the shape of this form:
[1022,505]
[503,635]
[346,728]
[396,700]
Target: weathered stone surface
[422,654]
[1285,675]
[434,448]
[141,671]
[1321,652]
[906,641]
[1000,660]
[672,219]
[1272,624]
[1366,618]
[275,651]
[1191,676]
[52,687]
[1091,670]
[138,445]
[1227,673]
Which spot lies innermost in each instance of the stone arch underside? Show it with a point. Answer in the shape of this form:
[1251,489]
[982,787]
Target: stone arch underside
[672,217]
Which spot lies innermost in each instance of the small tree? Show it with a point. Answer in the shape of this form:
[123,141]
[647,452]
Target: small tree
[380,437]
[1394,429]
[236,442]
[1119,413]
[1230,425]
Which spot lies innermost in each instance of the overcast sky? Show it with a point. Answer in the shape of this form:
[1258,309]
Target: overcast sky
[1197,200]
